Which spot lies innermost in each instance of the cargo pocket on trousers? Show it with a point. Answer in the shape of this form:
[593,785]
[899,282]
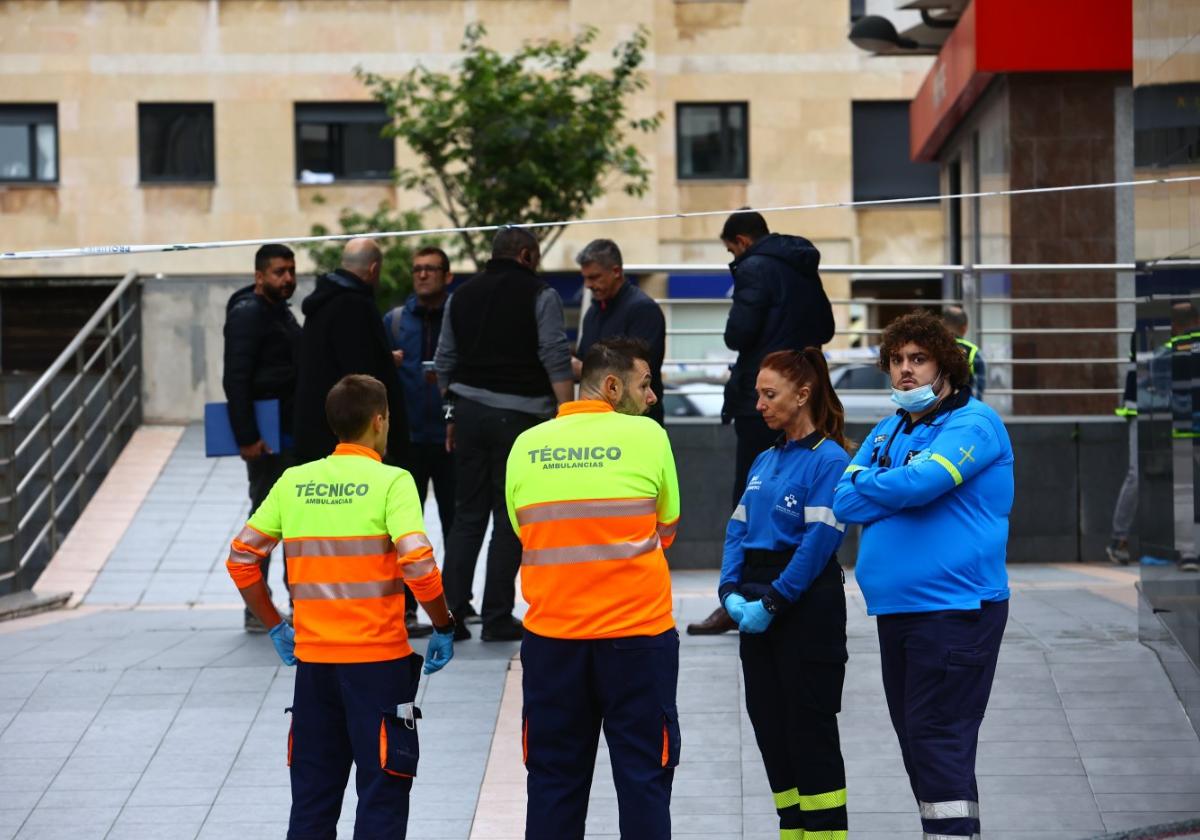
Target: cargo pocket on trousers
[399,748]
[671,741]
[291,734]
[963,694]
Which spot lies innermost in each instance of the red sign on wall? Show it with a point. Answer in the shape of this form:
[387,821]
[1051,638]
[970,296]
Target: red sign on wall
[1015,36]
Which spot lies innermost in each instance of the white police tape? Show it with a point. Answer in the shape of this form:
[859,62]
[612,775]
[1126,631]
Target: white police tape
[115,250]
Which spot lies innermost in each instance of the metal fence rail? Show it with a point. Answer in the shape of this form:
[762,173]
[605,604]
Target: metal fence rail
[1003,363]
[62,435]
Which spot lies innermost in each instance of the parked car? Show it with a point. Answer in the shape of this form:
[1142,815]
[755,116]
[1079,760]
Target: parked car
[865,391]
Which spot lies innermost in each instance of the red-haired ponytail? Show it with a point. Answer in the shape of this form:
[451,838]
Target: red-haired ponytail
[809,368]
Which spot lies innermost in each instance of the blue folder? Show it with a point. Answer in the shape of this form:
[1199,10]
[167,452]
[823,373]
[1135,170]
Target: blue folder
[218,431]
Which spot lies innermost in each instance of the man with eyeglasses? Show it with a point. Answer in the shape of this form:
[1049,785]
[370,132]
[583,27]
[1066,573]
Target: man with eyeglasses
[413,330]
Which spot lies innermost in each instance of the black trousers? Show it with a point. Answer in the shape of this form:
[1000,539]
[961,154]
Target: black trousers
[753,438]
[346,714]
[937,675]
[574,687]
[483,437]
[431,462]
[262,474]
[793,696]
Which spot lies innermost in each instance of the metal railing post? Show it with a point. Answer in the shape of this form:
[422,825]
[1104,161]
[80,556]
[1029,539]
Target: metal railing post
[8,504]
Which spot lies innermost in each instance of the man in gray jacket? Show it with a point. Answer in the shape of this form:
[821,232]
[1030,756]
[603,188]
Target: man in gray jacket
[504,363]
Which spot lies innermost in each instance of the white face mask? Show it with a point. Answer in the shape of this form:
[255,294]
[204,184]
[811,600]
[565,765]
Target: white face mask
[918,399]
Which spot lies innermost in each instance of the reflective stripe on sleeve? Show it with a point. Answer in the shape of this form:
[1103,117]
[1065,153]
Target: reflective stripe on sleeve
[418,569]
[346,591]
[823,801]
[415,541]
[585,509]
[786,799]
[255,540]
[953,470]
[739,514]
[337,547]
[666,531]
[823,515]
[238,556]
[957,809]
[588,553]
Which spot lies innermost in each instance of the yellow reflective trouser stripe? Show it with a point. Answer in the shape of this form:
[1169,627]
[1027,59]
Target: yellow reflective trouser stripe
[825,835]
[953,470]
[821,801]
[792,834]
[786,799]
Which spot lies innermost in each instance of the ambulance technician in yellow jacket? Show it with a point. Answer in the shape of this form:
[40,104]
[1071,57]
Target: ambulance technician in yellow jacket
[353,537]
[594,498]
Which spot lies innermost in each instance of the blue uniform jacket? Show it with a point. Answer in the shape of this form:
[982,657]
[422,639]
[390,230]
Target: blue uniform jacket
[934,500]
[787,505]
[417,335]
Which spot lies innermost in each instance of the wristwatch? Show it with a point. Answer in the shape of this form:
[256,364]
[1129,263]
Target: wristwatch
[446,628]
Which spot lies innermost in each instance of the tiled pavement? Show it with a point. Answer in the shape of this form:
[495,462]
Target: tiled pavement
[146,713]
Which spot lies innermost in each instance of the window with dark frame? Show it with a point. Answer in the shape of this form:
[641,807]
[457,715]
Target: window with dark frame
[175,142]
[882,165]
[712,140]
[29,143]
[343,141]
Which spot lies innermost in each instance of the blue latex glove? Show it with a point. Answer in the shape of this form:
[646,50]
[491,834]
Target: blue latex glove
[755,618]
[439,652]
[734,604]
[284,638]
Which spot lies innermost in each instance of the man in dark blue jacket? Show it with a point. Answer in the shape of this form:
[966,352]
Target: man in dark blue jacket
[619,308]
[413,330]
[778,304]
[261,337]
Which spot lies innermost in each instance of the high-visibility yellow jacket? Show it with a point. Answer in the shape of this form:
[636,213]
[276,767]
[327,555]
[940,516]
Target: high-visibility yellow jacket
[594,498]
[353,536]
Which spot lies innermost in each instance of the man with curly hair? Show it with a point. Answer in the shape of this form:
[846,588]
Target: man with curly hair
[932,486]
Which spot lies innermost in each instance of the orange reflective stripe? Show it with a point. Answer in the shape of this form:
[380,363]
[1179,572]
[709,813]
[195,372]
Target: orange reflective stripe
[585,509]
[666,755]
[588,553]
[346,591]
[415,541]
[337,547]
[239,556]
[666,530]
[418,569]
[255,540]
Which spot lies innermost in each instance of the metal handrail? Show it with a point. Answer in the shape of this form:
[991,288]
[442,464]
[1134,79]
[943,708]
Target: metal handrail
[71,349]
[44,482]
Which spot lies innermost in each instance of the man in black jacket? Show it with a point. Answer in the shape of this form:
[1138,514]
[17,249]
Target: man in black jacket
[343,334]
[261,335]
[778,304]
[503,359]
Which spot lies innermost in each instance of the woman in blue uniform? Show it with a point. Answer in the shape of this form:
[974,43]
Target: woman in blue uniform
[933,487]
[781,583]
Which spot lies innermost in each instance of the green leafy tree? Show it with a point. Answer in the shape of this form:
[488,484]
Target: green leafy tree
[395,280]
[519,139]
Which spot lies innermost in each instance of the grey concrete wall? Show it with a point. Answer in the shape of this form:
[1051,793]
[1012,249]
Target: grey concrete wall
[1067,475]
[182,320]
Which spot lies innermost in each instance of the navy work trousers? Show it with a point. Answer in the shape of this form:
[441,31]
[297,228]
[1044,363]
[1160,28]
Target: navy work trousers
[572,688]
[339,715]
[937,674]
